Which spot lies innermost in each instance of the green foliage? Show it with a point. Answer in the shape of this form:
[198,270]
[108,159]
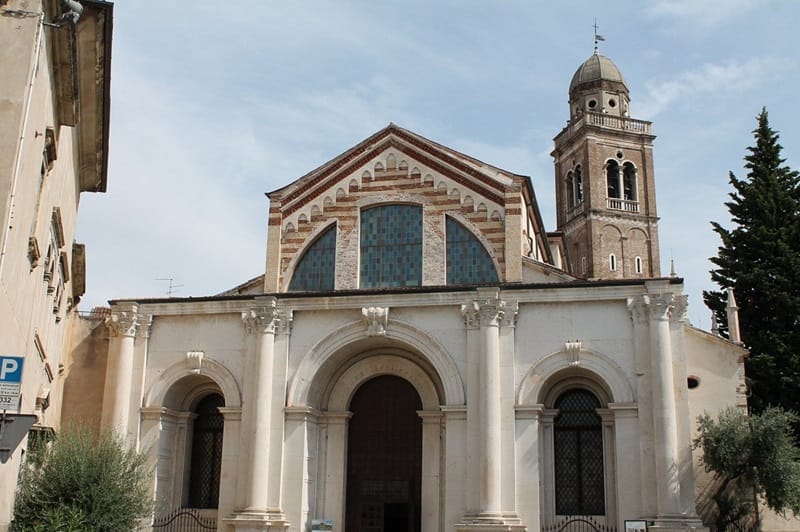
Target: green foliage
[753,457]
[77,484]
[760,259]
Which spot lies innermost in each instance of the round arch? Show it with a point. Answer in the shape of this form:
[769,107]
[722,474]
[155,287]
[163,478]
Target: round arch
[158,393]
[375,365]
[591,370]
[324,363]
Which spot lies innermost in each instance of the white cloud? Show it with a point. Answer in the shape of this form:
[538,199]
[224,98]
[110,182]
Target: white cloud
[710,78]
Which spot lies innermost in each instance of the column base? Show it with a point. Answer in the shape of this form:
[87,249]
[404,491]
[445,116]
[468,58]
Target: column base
[676,523]
[255,521]
[491,522]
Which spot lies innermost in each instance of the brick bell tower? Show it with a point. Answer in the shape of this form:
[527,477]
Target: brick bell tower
[605,185]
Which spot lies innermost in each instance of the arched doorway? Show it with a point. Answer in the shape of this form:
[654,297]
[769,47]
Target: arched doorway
[384,457]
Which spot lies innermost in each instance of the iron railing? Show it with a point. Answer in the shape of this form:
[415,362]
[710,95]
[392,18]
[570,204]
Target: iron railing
[184,520]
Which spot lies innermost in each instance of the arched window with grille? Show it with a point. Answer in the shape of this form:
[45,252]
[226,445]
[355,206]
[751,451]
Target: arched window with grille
[468,262]
[578,441]
[206,453]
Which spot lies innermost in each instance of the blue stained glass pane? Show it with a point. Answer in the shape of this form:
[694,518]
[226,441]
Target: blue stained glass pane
[316,269]
[391,246]
[468,262]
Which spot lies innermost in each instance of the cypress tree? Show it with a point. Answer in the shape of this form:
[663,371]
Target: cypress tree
[760,259]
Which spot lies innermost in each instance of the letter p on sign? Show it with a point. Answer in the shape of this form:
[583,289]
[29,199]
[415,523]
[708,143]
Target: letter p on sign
[10,369]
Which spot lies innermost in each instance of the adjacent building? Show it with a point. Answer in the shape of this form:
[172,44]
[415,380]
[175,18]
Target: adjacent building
[54,112]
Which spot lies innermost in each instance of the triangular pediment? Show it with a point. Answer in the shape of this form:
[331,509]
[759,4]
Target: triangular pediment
[394,153]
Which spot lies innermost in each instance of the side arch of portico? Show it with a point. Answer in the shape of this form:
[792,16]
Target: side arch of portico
[572,367]
[325,381]
[166,428]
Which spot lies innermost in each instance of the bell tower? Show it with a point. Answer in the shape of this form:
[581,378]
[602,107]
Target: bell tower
[605,186]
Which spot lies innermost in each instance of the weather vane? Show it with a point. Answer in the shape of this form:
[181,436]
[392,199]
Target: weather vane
[597,36]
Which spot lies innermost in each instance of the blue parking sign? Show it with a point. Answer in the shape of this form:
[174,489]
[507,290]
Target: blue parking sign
[11,370]
[10,381]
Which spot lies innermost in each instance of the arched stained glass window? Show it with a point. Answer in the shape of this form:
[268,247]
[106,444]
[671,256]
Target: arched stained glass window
[206,453]
[316,269]
[391,246]
[580,483]
[468,262]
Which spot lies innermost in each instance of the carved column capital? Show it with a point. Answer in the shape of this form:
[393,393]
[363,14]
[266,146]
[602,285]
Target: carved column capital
[470,313]
[680,306]
[638,309]
[145,325]
[377,320]
[491,311]
[510,313]
[124,322]
[268,319]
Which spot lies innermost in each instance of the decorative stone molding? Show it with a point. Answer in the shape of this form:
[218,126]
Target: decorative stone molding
[377,319]
[124,322]
[194,359]
[573,351]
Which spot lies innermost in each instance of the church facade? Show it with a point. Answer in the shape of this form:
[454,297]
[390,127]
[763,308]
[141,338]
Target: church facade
[421,354]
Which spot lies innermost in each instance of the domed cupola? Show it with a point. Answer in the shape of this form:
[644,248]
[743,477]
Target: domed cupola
[598,86]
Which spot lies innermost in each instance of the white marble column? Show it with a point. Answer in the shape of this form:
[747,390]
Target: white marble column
[487,313]
[664,410]
[122,327]
[490,312]
[262,322]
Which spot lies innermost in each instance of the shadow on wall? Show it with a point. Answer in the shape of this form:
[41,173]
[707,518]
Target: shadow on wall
[86,373]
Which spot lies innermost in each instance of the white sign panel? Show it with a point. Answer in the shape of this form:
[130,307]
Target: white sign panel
[10,381]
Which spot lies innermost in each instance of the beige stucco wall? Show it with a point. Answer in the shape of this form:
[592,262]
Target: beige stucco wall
[36,308]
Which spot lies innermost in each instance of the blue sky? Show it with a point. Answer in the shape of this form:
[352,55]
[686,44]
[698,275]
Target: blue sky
[214,104]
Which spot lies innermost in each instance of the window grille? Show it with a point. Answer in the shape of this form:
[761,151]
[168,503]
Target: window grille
[206,453]
[579,473]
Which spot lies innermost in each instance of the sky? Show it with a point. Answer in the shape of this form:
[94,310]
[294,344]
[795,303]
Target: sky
[216,103]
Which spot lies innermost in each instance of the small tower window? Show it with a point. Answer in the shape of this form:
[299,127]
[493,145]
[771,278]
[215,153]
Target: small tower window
[612,179]
[612,262]
[638,264]
[629,181]
[578,185]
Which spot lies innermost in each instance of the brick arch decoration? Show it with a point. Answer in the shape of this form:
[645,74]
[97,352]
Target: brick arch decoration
[573,362]
[314,382]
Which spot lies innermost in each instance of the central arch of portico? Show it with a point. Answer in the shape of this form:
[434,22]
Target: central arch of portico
[333,371]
